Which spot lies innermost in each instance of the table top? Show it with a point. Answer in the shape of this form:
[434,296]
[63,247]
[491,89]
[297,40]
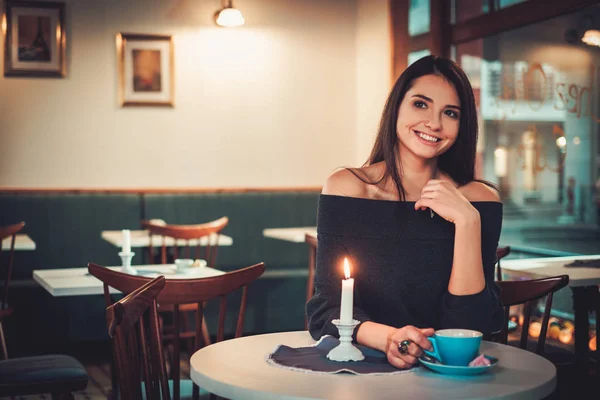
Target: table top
[140,238]
[295,235]
[22,242]
[237,369]
[78,282]
[552,266]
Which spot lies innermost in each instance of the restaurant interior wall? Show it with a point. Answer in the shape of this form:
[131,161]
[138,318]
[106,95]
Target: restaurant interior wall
[373,71]
[280,91]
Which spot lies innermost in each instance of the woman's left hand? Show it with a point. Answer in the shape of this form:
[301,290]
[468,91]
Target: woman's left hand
[445,200]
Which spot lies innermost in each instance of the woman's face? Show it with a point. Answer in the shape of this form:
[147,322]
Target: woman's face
[429,116]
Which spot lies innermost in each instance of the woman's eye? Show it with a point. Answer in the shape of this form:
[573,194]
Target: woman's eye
[451,114]
[420,104]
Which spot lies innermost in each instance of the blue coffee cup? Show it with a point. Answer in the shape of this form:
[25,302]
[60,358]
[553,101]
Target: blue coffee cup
[456,347]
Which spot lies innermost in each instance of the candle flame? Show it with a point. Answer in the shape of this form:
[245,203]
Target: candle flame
[346,268]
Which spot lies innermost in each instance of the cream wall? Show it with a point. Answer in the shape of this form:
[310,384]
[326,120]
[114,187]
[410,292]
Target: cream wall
[280,102]
[373,71]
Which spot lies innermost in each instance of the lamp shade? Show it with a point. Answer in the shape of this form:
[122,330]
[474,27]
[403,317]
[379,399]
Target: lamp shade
[230,17]
[591,37]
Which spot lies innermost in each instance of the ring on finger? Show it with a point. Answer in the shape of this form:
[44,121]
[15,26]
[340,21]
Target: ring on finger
[403,346]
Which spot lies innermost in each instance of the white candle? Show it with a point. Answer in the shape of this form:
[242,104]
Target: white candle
[126,248]
[347,296]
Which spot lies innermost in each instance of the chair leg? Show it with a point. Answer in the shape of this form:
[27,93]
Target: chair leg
[3,343]
[185,322]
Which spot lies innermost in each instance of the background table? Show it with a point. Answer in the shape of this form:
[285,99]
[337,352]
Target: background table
[141,238]
[77,281]
[237,369]
[22,242]
[295,235]
[582,281]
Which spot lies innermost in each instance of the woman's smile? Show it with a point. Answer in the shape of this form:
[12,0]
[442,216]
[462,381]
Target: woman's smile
[426,139]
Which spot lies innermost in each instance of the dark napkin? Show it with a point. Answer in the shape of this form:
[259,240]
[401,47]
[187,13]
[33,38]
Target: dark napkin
[314,359]
[585,263]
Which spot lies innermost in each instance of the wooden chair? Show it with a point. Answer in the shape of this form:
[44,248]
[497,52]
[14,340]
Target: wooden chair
[312,259]
[179,292]
[133,326]
[501,252]
[526,292]
[5,311]
[185,238]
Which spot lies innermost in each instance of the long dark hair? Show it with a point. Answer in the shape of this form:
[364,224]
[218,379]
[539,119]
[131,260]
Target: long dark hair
[459,161]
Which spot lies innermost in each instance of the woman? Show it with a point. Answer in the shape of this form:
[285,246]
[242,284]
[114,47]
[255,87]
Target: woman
[419,231]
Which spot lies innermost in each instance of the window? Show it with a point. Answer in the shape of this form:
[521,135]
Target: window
[415,55]
[419,17]
[539,107]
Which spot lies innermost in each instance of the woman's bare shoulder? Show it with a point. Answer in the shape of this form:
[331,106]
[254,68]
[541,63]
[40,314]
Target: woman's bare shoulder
[344,182]
[351,182]
[479,191]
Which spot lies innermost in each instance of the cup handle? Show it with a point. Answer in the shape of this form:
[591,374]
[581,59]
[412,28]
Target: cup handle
[435,354]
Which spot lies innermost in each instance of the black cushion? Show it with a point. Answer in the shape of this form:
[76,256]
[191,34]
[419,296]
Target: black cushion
[41,374]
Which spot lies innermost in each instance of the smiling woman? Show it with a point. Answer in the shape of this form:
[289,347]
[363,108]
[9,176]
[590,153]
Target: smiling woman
[414,272]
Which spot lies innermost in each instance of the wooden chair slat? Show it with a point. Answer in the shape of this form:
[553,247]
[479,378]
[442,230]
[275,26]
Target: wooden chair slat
[222,315]
[501,252]
[526,323]
[240,323]
[312,243]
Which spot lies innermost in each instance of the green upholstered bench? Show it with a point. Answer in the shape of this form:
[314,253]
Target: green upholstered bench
[249,213]
[66,228]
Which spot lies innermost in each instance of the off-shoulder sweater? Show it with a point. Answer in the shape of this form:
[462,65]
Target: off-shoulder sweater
[401,262]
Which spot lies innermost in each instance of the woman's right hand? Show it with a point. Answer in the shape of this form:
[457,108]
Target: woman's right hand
[419,342]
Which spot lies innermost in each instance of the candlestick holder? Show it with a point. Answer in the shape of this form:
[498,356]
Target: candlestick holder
[126,263]
[345,351]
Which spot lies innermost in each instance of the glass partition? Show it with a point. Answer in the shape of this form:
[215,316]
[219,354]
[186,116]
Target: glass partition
[539,108]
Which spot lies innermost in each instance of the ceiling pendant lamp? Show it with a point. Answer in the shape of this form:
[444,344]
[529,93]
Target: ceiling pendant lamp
[229,16]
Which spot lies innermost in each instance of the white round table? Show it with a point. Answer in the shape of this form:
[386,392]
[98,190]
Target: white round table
[237,369]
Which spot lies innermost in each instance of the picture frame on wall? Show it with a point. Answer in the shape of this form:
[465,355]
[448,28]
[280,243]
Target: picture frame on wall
[146,70]
[35,39]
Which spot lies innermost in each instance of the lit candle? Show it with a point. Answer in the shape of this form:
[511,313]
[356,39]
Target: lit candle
[347,296]
[126,241]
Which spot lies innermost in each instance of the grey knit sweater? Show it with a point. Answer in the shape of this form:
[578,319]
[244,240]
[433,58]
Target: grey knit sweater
[401,261]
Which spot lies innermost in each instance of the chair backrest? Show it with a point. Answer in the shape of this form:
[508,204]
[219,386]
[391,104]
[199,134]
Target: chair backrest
[133,325]
[501,252]
[526,292]
[186,237]
[312,242]
[188,291]
[9,231]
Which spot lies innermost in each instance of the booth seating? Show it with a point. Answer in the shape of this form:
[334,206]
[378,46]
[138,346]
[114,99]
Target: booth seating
[66,227]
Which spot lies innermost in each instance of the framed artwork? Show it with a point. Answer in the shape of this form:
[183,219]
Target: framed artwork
[34,39]
[146,70]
